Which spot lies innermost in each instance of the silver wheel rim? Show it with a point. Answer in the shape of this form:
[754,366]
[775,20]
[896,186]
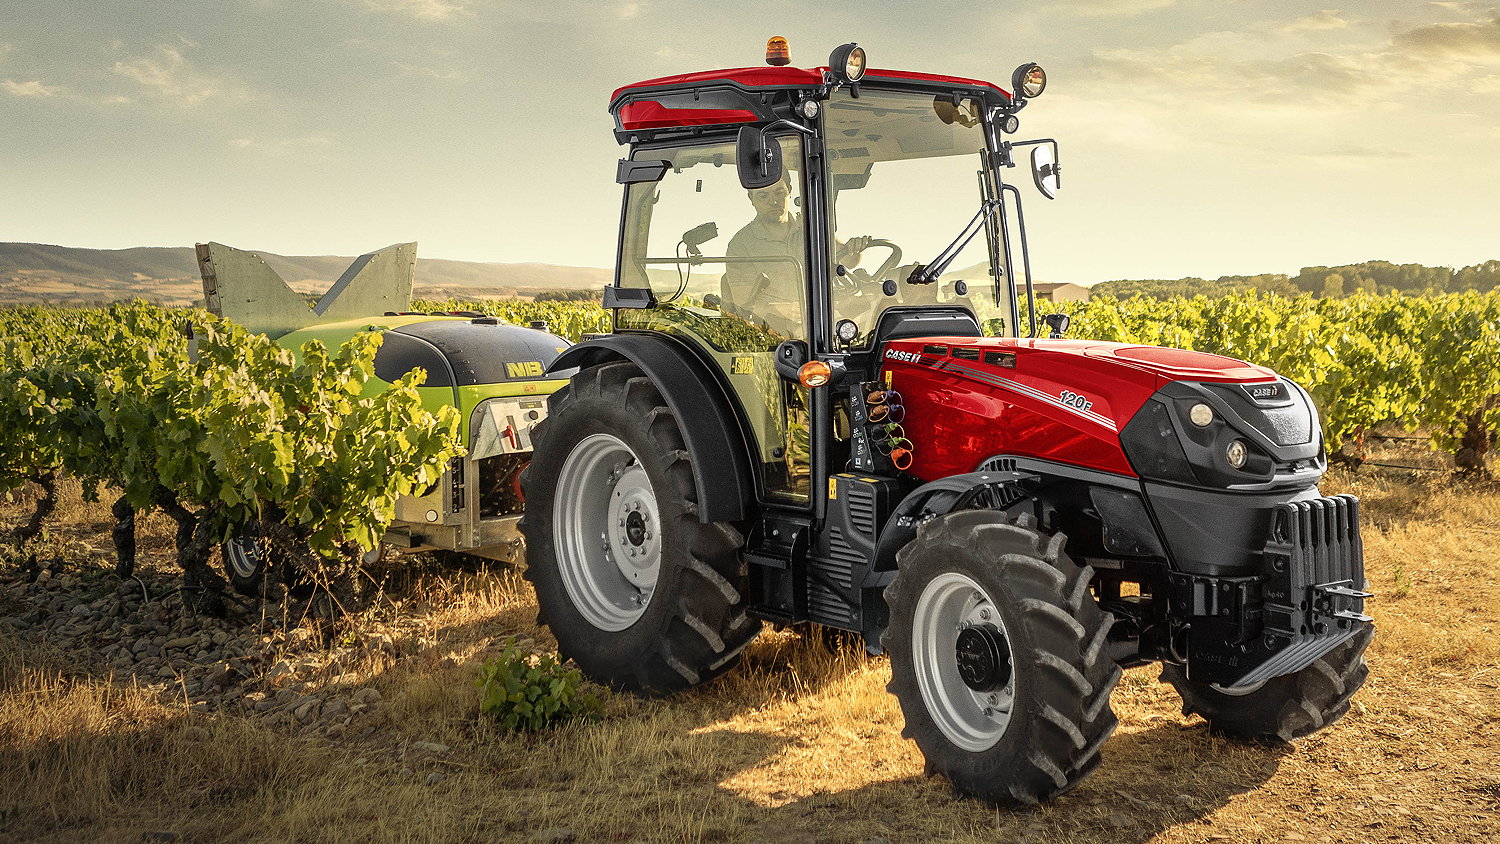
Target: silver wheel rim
[244,557]
[607,533]
[973,720]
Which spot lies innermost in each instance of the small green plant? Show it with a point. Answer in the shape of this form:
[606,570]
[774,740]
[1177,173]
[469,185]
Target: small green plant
[1403,580]
[532,691]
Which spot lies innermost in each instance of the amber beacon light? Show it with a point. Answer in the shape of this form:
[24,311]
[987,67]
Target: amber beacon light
[778,52]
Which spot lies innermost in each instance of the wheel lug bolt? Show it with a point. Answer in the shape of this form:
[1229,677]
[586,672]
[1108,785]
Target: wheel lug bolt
[993,699]
[984,614]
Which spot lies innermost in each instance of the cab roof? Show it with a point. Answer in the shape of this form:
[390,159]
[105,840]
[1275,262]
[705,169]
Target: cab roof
[739,95]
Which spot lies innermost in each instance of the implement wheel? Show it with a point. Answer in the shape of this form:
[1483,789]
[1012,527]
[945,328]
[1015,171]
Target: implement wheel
[1282,708]
[998,657]
[638,592]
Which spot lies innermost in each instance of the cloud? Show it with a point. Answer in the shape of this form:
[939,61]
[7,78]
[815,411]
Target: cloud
[626,11]
[168,75]
[426,10]
[1318,21]
[1471,40]
[34,88]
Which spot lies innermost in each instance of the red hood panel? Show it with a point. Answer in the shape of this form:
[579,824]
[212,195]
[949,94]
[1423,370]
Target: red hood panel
[1064,400]
[1182,365]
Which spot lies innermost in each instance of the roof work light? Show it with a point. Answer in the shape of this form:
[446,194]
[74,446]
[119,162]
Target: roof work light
[1028,81]
[847,63]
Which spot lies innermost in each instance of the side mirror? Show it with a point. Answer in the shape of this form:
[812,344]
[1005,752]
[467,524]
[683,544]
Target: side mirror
[790,355]
[758,157]
[1058,323]
[1044,170]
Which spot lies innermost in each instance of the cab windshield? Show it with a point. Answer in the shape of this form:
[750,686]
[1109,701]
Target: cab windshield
[905,177]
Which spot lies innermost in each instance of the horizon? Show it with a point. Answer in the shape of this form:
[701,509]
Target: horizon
[1200,139]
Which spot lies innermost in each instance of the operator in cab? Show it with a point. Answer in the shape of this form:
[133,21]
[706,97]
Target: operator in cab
[769,291]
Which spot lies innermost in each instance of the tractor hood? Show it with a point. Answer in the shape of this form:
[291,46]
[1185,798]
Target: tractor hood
[1122,375]
[1068,400]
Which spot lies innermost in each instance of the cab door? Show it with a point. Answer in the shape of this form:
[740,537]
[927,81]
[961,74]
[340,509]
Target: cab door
[727,269]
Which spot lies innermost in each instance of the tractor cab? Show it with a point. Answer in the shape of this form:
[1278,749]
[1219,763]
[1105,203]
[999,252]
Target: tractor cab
[779,217]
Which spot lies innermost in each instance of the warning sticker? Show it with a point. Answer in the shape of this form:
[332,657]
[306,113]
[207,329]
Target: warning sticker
[742,365]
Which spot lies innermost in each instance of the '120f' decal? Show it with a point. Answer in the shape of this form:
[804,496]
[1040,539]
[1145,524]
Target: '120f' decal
[1072,399]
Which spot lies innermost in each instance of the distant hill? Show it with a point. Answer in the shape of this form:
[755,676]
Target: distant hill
[41,273]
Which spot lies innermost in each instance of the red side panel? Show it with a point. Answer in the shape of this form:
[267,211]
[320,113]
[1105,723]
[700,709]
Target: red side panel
[650,114]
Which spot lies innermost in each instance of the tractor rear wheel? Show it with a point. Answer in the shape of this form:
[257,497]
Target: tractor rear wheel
[638,592]
[1282,708]
[998,657]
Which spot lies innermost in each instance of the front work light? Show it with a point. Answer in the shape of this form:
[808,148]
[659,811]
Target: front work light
[847,63]
[778,52]
[1028,81]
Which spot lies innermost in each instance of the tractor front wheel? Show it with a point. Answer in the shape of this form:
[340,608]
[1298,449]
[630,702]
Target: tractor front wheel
[1282,708]
[638,592]
[998,657]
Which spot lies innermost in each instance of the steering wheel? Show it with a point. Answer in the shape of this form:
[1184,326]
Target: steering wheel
[890,263]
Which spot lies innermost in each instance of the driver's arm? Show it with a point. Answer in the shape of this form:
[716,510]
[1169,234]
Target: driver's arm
[848,252]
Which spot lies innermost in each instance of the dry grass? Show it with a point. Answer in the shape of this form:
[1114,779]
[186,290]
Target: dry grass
[797,744]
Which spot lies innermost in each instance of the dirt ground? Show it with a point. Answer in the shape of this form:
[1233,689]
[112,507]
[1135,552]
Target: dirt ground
[123,718]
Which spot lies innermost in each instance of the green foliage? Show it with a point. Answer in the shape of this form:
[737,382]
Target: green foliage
[569,319]
[589,295]
[532,691]
[225,423]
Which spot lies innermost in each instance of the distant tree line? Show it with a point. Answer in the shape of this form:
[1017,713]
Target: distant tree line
[1330,282]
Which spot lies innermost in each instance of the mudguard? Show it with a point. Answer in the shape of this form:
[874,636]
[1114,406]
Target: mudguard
[944,496]
[712,427]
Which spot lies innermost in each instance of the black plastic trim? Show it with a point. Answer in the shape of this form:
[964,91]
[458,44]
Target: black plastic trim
[944,496]
[708,417]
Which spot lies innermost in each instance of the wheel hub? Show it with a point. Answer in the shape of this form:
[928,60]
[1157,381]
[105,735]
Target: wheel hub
[607,532]
[633,541]
[635,528]
[963,662]
[983,658]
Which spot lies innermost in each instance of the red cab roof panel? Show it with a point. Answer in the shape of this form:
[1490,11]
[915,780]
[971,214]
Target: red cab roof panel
[790,77]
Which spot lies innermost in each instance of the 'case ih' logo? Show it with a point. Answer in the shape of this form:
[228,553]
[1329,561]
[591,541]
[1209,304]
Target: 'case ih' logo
[1263,392]
[897,354]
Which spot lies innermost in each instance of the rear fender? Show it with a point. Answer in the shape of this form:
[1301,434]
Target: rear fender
[710,423]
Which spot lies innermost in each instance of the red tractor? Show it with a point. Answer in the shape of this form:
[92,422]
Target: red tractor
[793,421]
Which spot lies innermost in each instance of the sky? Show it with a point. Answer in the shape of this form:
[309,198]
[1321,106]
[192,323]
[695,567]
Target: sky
[1198,137]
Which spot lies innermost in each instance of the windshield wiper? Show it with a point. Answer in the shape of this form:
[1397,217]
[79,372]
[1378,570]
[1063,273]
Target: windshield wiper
[929,272]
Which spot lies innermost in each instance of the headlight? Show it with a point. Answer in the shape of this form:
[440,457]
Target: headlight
[1201,415]
[1236,453]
